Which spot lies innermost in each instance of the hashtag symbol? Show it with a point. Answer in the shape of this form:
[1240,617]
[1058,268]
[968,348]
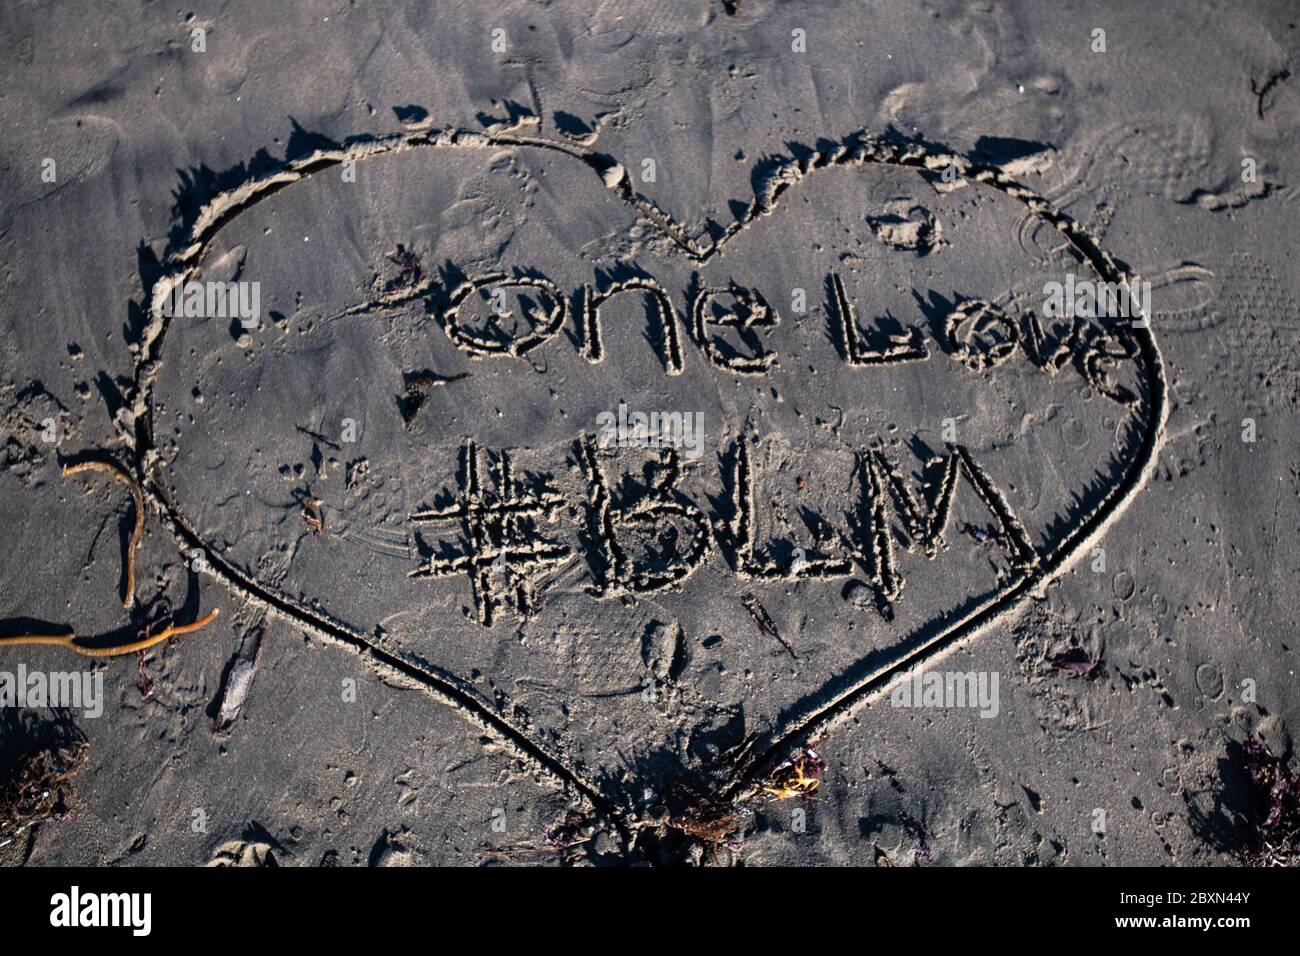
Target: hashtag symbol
[500,545]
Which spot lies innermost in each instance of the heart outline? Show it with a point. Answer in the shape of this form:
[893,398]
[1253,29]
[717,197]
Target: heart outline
[186,251]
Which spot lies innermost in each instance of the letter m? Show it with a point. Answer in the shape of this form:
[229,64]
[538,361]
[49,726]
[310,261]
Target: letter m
[223,299]
[925,516]
[116,909]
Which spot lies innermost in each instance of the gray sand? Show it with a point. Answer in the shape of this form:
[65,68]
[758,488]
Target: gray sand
[460,624]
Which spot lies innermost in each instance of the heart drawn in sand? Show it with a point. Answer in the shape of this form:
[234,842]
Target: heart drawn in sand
[447,503]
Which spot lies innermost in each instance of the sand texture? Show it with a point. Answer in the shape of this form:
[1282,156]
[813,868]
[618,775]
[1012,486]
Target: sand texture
[373,566]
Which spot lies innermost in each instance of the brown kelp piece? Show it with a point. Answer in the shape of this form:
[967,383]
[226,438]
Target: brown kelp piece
[129,597]
[69,640]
